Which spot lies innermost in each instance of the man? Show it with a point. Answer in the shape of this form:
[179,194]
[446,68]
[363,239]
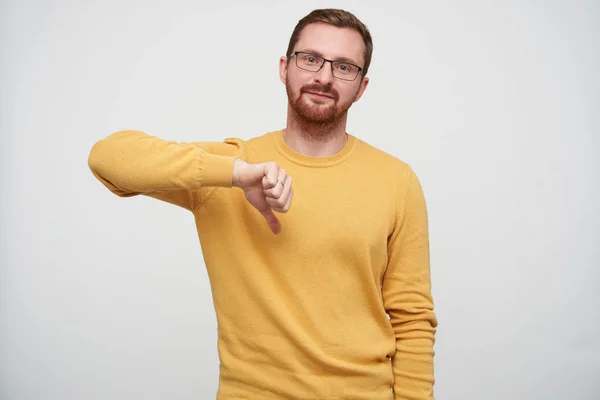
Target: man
[330,298]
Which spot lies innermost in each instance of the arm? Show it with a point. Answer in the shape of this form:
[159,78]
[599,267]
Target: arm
[130,163]
[407,296]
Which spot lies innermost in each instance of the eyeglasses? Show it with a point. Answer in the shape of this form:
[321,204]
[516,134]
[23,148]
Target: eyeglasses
[340,69]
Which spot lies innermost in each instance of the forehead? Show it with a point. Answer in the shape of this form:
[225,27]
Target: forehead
[332,42]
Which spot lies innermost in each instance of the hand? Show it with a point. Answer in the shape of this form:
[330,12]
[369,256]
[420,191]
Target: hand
[266,186]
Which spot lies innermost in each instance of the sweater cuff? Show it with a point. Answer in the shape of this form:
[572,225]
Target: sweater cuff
[217,170]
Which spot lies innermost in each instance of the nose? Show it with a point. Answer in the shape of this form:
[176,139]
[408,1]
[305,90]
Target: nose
[325,74]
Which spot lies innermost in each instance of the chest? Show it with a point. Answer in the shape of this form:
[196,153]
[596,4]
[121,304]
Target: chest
[336,221]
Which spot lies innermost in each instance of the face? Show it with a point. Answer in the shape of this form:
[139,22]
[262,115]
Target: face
[319,97]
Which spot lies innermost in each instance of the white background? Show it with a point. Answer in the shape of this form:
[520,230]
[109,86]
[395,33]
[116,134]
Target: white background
[496,105]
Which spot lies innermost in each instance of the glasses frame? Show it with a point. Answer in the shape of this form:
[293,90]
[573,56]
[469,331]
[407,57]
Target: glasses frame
[360,69]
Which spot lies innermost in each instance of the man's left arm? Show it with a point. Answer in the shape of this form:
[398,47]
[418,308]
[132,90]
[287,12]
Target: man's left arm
[407,296]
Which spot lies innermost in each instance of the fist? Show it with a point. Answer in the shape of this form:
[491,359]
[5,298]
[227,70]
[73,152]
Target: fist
[267,188]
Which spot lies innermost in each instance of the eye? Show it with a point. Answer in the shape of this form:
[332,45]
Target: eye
[311,59]
[345,68]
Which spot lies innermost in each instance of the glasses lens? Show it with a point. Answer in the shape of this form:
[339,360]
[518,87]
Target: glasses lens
[345,71]
[309,62]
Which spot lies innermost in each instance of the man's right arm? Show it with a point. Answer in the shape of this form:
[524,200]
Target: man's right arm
[130,163]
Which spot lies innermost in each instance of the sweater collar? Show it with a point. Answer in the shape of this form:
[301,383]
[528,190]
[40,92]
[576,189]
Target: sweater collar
[311,161]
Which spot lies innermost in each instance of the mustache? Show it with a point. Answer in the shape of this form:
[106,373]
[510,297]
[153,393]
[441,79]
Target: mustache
[320,89]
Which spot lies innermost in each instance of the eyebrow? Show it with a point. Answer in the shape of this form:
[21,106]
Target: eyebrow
[318,53]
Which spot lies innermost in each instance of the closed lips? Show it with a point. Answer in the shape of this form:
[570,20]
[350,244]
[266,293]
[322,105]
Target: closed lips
[321,94]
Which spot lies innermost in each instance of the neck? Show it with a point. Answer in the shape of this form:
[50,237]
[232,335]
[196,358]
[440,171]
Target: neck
[315,139]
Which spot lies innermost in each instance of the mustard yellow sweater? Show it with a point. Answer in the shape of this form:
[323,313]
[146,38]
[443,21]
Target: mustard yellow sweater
[338,305]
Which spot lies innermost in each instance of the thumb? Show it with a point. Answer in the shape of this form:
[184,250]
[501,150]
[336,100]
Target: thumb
[272,220]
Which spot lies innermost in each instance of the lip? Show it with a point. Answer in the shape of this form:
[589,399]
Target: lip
[322,95]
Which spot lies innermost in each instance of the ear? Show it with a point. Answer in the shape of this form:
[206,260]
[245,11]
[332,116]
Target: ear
[283,68]
[361,88]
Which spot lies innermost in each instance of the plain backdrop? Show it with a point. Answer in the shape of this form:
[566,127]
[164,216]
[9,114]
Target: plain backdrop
[496,105]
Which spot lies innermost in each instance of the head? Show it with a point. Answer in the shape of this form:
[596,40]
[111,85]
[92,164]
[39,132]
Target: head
[320,97]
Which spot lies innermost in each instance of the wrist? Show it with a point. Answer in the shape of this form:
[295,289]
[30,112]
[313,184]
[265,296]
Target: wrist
[238,165]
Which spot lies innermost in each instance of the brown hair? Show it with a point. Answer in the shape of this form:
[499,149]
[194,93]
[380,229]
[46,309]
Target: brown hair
[339,18]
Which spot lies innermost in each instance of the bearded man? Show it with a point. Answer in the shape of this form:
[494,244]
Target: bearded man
[325,298]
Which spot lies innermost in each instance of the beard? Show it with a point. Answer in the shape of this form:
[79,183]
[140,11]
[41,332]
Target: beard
[317,114]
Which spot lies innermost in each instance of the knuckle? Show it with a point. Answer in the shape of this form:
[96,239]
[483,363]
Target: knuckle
[271,166]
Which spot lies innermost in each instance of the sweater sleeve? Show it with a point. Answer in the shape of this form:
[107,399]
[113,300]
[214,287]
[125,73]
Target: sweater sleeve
[131,163]
[407,296]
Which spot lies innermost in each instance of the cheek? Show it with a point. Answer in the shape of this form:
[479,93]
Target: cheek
[298,78]
[293,81]
[347,93]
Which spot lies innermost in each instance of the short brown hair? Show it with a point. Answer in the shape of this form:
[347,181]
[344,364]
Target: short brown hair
[339,18]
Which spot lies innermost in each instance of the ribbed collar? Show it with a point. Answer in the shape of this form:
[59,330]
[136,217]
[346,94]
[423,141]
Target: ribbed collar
[310,161]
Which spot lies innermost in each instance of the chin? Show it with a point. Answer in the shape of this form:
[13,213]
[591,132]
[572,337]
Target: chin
[318,115]
[316,111]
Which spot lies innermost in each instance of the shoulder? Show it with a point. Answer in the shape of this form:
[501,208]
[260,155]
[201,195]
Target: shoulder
[253,142]
[376,159]
[255,147]
[266,139]
[243,148]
